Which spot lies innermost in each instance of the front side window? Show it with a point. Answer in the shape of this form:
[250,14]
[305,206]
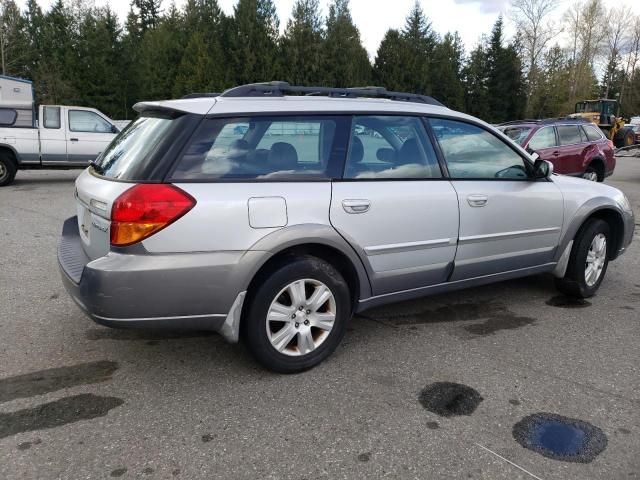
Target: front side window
[543,138]
[51,117]
[569,134]
[390,147]
[593,133]
[90,122]
[474,153]
[263,148]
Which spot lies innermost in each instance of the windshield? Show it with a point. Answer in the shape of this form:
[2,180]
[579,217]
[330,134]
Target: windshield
[588,107]
[128,155]
[517,134]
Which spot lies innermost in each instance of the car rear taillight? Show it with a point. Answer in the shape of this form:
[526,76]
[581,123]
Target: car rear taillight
[146,209]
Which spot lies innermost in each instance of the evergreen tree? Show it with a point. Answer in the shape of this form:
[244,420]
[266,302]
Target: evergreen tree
[202,68]
[475,80]
[389,67]
[345,61]
[302,44]
[419,42]
[149,13]
[14,40]
[97,79]
[253,35]
[505,81]
[446,74]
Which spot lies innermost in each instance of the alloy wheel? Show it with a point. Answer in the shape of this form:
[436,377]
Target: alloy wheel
[301,317]
[590,175]
[596,259]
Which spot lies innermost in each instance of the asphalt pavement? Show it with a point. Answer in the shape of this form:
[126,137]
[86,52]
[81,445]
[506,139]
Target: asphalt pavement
[441,387]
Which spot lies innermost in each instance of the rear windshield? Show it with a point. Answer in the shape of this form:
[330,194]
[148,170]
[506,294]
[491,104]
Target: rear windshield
[129,155]
[517,134]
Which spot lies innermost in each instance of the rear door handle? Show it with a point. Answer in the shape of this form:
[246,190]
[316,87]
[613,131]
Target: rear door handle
[73,139]
[356,206]
[477,200]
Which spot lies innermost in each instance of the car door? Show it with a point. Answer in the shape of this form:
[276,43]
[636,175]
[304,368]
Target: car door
[394,206]
[545,143]
[507,220]
[53,143]
[88,134]
[571,140]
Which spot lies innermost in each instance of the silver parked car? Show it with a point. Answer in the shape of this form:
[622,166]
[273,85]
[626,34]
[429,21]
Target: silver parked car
[274,218]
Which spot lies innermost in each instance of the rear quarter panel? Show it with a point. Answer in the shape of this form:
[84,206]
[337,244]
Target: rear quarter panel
[23,142]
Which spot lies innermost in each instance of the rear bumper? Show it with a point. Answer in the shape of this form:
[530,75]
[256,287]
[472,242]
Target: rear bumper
[202,291]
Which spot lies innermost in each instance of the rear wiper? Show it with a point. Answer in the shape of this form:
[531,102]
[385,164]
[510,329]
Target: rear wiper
[96,167]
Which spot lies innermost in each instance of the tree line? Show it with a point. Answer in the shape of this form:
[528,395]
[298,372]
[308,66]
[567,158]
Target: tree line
[77,53]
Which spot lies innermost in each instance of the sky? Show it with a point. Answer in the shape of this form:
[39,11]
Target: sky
[470,18]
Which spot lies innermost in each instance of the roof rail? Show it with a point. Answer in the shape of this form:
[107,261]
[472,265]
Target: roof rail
[544,121]
[200,95]
[279,89]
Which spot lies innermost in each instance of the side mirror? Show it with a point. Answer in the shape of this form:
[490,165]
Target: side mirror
[542,169]
[114,129]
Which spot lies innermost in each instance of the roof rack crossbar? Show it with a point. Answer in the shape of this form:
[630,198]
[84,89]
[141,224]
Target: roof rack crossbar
[279,89]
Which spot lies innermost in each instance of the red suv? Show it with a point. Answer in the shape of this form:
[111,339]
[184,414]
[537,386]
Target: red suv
[575,147]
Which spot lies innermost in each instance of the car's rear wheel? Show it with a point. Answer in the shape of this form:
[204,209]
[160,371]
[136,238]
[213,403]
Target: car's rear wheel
[588,261]
[7,170]
[297,316]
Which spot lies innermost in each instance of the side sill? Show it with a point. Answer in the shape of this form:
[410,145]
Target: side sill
[450,286]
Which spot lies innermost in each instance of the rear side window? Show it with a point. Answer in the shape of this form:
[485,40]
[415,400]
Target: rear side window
[390,147]
[543,138]
[51,117]
[264,148]
[593,133]
[569,134]
[8,116]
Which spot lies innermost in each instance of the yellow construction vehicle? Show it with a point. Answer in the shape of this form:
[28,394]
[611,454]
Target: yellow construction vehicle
[605,114]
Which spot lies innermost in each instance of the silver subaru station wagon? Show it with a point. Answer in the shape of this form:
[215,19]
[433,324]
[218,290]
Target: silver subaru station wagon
[272,213]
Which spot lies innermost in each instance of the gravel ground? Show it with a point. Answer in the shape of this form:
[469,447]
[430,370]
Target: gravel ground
[81,401]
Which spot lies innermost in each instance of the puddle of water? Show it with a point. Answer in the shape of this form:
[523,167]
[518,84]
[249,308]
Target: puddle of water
[449,399]
[52,379]
[560,438]
[568,302]
[55,414]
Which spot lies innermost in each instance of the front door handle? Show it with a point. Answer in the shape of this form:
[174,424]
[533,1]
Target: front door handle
[356,206]
[477,200]
[73,139]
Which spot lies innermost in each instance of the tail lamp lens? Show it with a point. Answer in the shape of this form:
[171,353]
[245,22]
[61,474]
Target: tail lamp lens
[146,209]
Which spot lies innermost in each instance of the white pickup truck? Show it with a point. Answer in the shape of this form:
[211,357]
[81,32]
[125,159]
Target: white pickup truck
[64,137]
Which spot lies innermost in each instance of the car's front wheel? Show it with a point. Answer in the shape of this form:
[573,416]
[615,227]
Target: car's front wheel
[588,261]
[297,316]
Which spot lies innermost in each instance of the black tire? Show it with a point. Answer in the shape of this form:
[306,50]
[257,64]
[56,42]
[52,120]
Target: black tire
[8,170]
[254,323]
[574,282]
[624,138]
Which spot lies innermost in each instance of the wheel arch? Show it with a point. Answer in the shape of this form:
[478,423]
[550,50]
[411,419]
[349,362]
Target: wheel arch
[609,214]
[320,241]
[599,165]
[12,154]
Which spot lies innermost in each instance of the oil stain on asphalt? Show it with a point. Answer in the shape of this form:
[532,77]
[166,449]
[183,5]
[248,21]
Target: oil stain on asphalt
[55,414]
[562,301]
[449,399]
[52,379]
[560,438]
[496,317]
